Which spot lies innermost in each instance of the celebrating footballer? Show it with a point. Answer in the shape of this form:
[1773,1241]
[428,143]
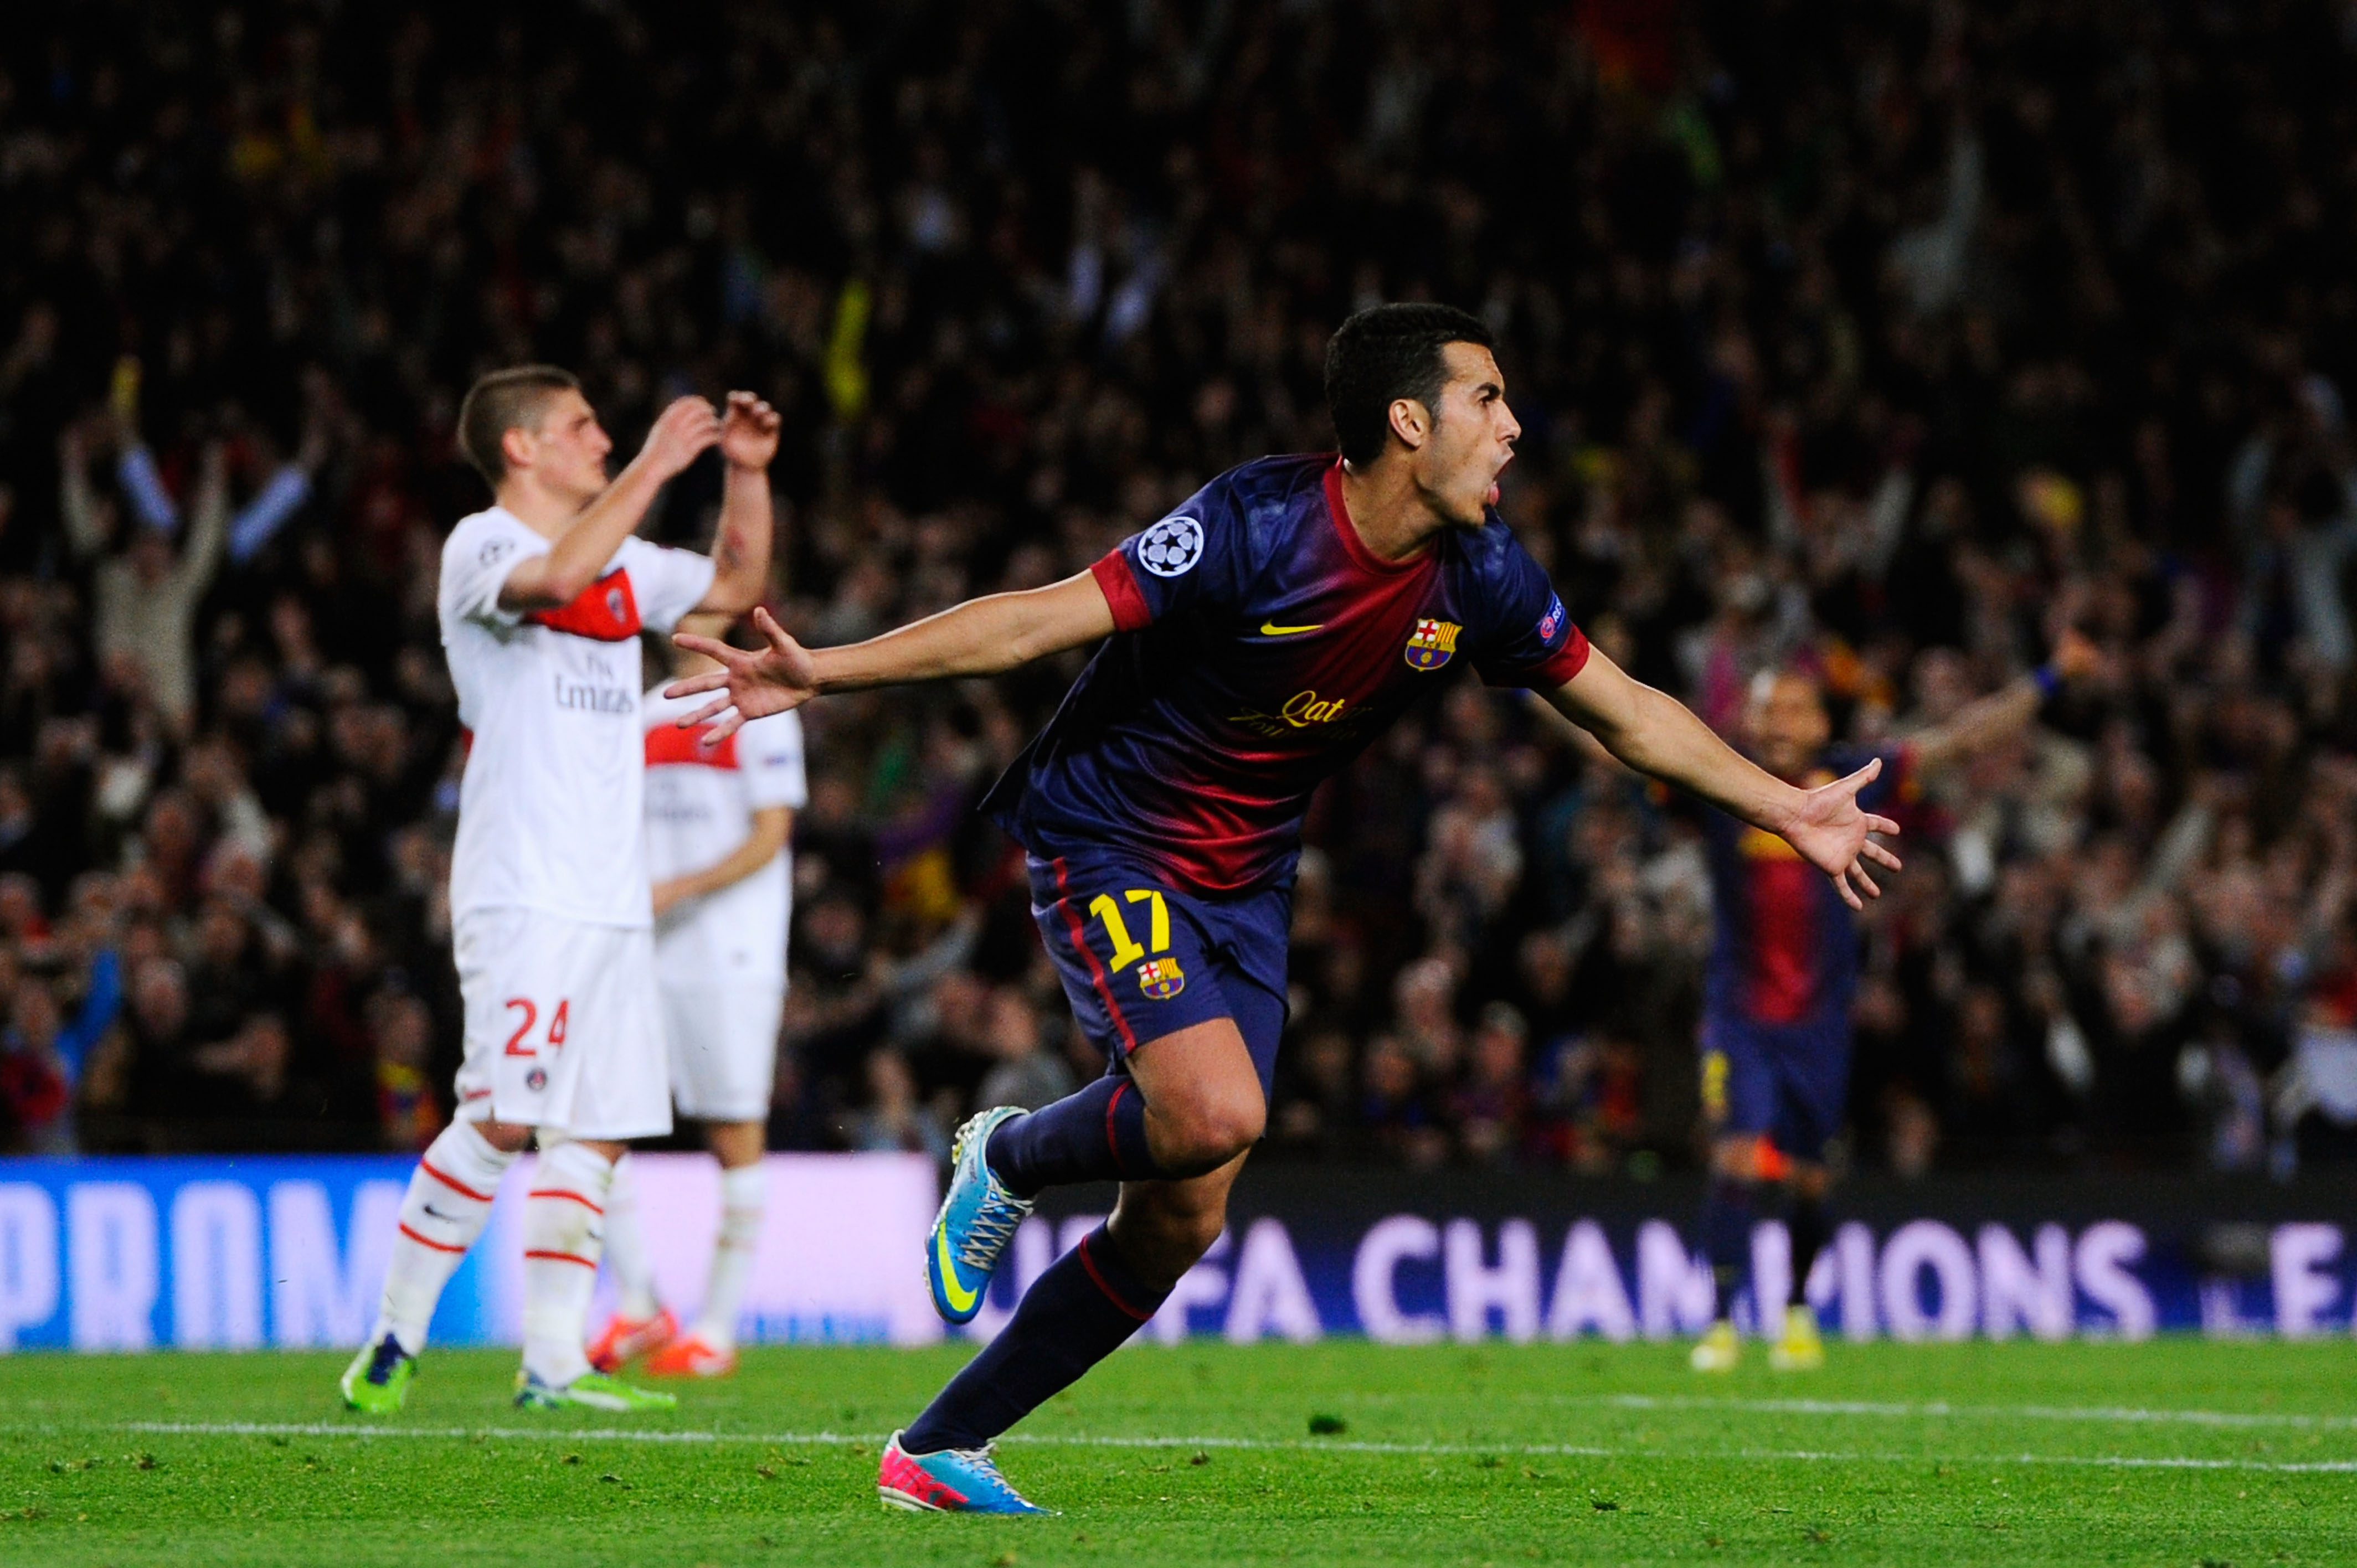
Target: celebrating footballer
[1254,640]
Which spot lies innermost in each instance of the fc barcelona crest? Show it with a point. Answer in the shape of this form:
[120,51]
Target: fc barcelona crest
[1431,643]
[1161,977]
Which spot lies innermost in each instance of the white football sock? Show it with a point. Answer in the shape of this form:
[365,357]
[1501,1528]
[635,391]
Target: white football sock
[564,1232]
[743,1193]
[626,1246]
[448,1203]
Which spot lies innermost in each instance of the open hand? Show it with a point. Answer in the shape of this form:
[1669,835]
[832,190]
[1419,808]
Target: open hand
[748,432]
[1837,838]
[680,434]
[752,686]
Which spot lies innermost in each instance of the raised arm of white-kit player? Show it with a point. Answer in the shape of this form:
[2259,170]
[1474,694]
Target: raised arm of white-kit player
[680,433]
[740,550]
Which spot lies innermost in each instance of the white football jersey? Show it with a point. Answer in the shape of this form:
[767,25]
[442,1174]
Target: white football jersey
[549,811]
[700,806]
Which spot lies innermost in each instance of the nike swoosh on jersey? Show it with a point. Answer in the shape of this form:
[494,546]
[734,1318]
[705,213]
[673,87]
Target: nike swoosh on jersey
[1270,629]
[961,1300]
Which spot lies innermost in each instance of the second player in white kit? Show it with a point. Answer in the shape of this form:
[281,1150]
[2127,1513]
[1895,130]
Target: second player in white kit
[720,956]
[719,819]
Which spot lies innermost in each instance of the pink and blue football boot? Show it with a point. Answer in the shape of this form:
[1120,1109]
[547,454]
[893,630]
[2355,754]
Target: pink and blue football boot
[955,1480]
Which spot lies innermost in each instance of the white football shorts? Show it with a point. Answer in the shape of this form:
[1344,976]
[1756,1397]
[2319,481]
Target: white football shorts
[724,1045]
[564,1030]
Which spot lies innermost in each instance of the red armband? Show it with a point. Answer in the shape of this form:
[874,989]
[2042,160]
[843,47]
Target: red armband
[1130,610]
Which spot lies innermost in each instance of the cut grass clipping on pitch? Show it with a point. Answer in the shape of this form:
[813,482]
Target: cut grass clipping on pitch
[2172,1451]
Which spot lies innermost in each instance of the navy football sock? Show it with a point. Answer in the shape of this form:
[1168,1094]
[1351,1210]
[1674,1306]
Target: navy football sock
[1727,1237]
[1097,1134]
[1806,1222]
[1074,1316]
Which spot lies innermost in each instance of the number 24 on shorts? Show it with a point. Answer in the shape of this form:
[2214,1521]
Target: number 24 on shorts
[516,1048]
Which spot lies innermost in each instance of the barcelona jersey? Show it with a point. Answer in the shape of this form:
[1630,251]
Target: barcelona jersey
[1259,647]
[1785,952]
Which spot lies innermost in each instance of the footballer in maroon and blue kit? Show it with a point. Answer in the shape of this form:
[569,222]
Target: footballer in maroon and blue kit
[1776,1019]
[1254,642]
[1782,973]
[1259,647]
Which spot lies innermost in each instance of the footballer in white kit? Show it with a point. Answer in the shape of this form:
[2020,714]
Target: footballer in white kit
[720,820]
[550,916]
[543,598]
[720,956]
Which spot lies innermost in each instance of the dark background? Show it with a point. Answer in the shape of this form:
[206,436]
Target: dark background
[1880,339]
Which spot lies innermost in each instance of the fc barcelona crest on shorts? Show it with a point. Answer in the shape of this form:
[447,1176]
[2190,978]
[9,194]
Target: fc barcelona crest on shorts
[1161,977]
[1431,643]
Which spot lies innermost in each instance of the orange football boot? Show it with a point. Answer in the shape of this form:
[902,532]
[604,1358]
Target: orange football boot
[690,1357]
[628,1338]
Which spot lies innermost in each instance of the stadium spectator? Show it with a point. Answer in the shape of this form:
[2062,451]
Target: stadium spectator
[47,1054]
[893,1119]
[1024,1074]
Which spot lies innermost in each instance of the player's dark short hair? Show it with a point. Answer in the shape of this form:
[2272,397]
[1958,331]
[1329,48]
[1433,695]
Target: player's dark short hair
[1385,353]
[504,400]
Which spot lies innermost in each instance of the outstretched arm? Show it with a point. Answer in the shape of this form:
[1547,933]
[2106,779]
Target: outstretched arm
[543,581]
[1655,734]
[980,636]
[1981,725]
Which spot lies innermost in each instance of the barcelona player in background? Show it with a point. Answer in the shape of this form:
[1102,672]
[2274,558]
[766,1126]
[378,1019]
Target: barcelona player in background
[1783,970]
[1256,639]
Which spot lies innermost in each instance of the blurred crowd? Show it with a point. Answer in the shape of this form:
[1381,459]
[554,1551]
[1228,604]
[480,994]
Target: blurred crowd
[1883,341]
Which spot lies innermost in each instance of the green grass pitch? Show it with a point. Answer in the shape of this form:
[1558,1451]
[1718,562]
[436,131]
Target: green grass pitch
[2171,1452]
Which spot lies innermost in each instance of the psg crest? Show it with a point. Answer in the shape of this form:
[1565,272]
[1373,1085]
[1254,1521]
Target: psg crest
[1161,977]
[1431,643]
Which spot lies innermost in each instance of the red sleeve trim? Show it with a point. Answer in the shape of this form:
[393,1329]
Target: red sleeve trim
[1130,610]
[1568,661]
[668,744]
[605,611]
[1561,665]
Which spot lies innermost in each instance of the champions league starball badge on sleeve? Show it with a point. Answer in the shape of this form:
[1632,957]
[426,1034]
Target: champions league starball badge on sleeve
[1171,547]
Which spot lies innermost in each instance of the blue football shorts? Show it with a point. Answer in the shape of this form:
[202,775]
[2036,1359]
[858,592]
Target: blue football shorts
[1140,959]
[1790,1081]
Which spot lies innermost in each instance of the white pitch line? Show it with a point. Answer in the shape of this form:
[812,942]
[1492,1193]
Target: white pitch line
[1942,1409]
[1248,1445]
[462,1434]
